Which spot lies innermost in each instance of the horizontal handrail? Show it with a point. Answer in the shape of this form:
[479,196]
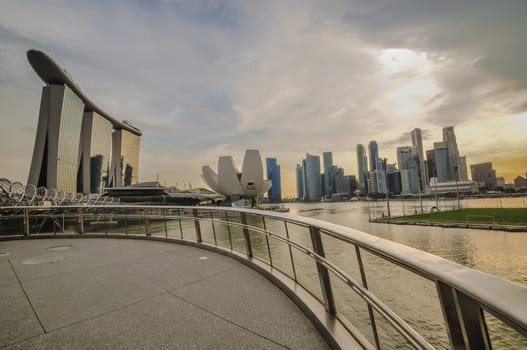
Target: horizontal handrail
[502,298]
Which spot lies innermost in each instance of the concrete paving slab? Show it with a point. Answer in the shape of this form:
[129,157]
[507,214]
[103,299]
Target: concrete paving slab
[75,296]
[170,270]
[217,303]
[7,276]
[245,297]
[152,324]
[17,320]
[42,260]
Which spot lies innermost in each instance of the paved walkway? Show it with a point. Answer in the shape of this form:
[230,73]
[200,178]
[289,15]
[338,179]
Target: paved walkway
[136,294]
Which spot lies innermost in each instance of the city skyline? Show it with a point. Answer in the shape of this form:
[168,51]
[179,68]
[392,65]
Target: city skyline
[206,79]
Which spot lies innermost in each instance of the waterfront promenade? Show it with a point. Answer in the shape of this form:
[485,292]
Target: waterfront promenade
[102,293]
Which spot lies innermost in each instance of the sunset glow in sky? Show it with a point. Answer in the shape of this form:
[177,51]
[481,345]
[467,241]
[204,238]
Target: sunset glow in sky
[208,78]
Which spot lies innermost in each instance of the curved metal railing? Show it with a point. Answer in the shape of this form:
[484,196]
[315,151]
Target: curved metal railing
[473,310]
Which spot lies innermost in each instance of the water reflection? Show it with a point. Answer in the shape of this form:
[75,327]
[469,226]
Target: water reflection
[500,253]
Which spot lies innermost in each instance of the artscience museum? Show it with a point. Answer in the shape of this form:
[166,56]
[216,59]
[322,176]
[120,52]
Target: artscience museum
[235,184]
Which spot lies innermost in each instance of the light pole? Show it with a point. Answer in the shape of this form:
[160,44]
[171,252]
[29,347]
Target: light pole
[420,197]
[435,187]
[387,194]
[456,168]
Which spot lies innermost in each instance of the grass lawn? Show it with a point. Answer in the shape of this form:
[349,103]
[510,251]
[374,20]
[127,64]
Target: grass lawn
[499,216]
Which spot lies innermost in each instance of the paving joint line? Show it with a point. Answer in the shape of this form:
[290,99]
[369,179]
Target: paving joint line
[27,297]
[229,321]
[86,319]
[204,278]
[95,266]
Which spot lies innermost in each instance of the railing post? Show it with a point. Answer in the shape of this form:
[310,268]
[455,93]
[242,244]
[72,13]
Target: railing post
[290,250]
[148,227]
[196,225]
[323,273]
[81,221]
[213,228]
[370,308]
[165,215]
[180,225]
[464,319]
[246,235]
[228,229]
[26,221]
[267,242]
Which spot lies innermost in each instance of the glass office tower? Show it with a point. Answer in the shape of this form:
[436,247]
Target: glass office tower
[373,149]
[56,153]
[328,177]
[96,143]
[312,180]
[125,158]
[273,173]
[299,182]
[362,164]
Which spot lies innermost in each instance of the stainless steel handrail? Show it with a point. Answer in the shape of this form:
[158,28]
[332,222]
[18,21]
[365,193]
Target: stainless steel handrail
[464,293]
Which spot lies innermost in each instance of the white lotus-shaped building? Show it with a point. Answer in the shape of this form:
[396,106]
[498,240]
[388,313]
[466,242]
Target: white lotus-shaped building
[230,182]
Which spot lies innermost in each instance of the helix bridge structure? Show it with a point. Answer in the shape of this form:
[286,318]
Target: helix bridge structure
[18,194]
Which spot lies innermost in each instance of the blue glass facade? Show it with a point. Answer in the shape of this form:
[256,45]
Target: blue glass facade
[328,176]
[311,178]
[273,173]
[374,154]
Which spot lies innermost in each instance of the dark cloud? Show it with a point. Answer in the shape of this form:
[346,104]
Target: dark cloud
[482,28]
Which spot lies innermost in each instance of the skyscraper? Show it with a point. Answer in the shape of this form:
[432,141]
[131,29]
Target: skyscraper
[406,157]
[484,175]
[362,165]
[299,182]
[328,178]
[417,142]
[430,164]
[373,150]
[312,180]
[96,144]
[441,161]
[408,160]
[273,173]
[125,158]
[75,137]
[55,159]
[463,174]
[449,138]
[381,171]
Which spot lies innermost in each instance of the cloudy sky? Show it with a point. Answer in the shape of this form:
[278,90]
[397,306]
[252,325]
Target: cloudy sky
[206,78]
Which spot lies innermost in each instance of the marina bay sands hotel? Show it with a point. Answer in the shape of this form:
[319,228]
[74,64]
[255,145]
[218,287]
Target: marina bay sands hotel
[78,147]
